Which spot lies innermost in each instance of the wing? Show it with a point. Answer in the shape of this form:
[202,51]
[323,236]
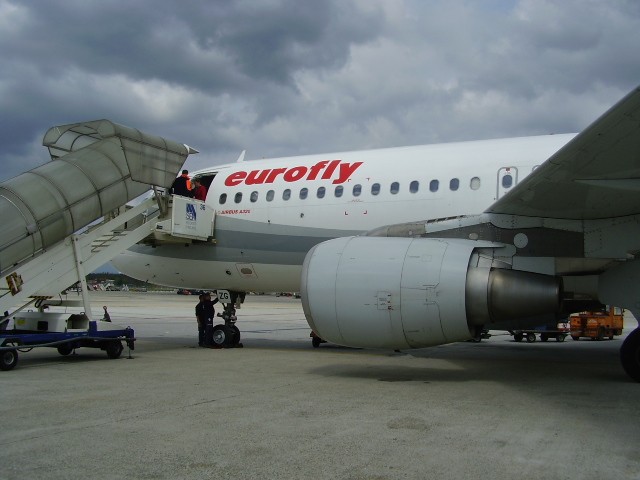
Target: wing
[595,175]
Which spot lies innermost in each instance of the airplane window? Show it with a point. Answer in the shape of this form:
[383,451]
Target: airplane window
[454,184]
[339,190]
[321,192]
[475,183]
[270,195]
[507,181]
[286,195]
[434,185]
[395,187]
[375,189]
[238,197]
[303,193]
[223,198]
[357,190]
[414,186]
[254,197]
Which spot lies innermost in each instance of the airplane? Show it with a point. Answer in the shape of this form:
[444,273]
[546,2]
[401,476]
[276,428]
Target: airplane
[425,245]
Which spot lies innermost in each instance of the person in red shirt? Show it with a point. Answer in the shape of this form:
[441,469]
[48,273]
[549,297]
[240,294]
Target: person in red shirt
[200,191]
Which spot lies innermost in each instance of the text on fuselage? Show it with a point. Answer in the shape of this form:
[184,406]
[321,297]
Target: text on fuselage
[335,170]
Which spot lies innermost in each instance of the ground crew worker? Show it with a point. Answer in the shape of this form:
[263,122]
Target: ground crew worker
[182,185]
[208,314]
[201,320]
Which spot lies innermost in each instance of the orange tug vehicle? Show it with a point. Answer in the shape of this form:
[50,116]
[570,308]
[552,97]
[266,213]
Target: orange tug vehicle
[597,325]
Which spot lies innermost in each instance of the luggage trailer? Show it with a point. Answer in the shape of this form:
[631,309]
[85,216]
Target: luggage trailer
[37,330]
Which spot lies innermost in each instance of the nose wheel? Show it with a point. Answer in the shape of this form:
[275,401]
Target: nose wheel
[226,336]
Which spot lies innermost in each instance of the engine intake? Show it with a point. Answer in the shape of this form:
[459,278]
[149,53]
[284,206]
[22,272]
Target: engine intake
[413,292]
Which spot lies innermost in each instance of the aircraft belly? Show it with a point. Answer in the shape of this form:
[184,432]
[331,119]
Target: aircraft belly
[209,274]
[246,256]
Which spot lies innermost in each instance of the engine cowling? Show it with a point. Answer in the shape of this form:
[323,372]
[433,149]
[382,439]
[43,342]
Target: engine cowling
[413,292]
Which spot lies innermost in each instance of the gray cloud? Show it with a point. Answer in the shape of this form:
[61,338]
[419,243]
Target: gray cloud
[284,77]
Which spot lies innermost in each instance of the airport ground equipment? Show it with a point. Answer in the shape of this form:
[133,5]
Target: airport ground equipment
[559,332]
[36,330]
[597,325]
[70,216]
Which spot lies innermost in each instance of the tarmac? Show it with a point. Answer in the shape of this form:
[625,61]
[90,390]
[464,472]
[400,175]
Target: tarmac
[279,408]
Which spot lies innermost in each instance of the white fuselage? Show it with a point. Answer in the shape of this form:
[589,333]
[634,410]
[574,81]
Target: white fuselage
[269,213]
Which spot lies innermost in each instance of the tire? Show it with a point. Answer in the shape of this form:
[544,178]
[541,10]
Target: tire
[531,337]
[236,335]
[630,355]
[575,337]
[600,334]
[114,349]
[315,341]
[221,336]
[8,359]
[561,337]
[65,349]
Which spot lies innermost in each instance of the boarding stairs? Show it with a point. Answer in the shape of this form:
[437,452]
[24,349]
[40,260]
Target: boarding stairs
[70,216]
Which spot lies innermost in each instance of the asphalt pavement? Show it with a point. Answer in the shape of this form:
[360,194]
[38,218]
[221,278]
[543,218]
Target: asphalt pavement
[279,408]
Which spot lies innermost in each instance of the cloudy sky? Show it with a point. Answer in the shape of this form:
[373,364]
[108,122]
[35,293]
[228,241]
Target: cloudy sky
[289,77]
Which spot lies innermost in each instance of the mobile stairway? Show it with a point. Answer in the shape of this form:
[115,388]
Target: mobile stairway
[68,217]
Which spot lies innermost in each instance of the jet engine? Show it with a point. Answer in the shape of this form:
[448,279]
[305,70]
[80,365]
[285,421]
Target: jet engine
[414,292]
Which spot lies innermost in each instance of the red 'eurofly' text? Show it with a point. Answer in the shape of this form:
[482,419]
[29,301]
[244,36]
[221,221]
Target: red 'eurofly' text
[335,170]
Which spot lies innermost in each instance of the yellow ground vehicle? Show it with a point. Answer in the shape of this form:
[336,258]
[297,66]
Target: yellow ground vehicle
[598,324]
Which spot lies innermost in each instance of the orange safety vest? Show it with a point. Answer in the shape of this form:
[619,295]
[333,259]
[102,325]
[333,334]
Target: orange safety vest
[189,186]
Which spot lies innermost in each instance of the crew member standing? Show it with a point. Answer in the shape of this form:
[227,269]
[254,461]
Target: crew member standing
[199,190]
[182,185]
[209,313]
[200,319]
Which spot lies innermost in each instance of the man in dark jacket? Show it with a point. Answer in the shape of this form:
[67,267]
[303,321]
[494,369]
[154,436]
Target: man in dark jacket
[200,319]
[208,315]
[182,185]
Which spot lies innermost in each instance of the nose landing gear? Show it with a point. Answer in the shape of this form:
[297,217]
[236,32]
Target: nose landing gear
[227,335]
